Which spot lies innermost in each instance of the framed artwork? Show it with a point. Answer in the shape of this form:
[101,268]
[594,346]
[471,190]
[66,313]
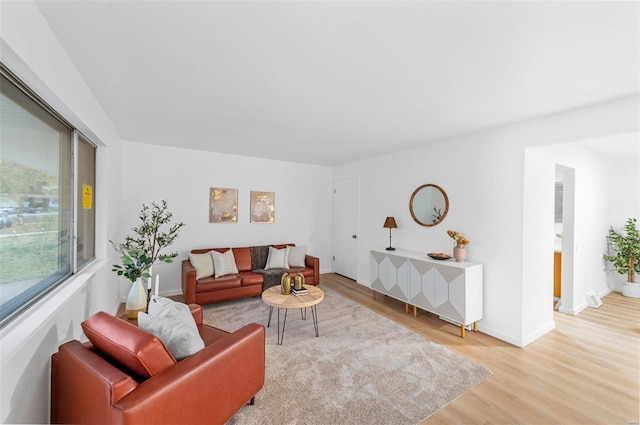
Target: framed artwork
[263,207]
[223,205]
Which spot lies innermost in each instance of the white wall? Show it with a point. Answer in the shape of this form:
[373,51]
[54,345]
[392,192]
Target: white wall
[599,200]
[303,198]
[30,50]
[483,175]
[623,201]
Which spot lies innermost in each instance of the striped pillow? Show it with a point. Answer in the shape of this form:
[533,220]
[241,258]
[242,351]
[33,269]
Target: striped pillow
[224,263]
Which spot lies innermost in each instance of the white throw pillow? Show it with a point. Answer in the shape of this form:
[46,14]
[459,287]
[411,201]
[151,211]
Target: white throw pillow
[203,263]
[224,263]
[278,258]
[173,324]
[297,256]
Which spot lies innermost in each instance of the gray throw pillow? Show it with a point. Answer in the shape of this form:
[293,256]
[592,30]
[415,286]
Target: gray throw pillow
[173,324]
[297,256]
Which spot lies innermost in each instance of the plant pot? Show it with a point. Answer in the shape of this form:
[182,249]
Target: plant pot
[136,300]
[631,289]
[459,253]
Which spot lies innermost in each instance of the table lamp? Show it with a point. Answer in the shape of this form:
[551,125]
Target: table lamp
[390,223]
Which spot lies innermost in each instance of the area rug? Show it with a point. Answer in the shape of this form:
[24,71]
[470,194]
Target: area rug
[362,369]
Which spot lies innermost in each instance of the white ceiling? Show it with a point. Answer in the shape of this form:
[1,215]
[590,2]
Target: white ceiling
[333,82]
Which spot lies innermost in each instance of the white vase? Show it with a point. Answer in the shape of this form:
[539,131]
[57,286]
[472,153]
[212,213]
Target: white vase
[136,300]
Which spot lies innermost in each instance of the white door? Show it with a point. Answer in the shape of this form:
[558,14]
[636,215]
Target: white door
[345,227]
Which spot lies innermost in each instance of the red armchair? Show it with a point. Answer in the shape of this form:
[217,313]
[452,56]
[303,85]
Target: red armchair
[128,376]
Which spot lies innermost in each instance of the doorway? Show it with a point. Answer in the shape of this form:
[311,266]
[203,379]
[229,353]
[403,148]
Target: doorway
[345,227]
[564,234]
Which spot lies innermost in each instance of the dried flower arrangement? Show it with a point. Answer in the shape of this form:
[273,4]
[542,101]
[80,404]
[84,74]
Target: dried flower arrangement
[460,240]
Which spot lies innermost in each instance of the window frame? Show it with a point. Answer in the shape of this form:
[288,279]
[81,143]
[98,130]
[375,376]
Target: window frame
[36,292]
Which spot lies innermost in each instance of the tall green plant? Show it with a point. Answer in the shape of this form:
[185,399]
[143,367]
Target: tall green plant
[626,259]
[140,252]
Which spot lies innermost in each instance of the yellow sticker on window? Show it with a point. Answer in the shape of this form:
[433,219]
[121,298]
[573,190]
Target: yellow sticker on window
[87,196]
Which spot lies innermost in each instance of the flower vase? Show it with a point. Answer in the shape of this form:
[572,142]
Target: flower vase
[459,253]
[136,300]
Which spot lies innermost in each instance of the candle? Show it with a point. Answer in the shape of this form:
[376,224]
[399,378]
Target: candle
[157,283]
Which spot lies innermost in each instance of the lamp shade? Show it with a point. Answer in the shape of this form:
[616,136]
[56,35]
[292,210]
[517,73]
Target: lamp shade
[390,223]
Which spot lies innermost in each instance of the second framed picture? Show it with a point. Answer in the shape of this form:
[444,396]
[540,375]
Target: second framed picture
[263,207]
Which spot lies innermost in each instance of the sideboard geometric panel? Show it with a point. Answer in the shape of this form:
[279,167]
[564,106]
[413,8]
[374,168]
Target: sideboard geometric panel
[449,289]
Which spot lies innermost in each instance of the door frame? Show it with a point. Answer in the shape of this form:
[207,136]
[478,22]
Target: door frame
[337,217]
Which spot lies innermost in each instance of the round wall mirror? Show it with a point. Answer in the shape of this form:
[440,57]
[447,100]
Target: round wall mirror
[429,205]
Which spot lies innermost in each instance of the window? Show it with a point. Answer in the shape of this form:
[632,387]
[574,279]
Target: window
[85,211]
[46,230]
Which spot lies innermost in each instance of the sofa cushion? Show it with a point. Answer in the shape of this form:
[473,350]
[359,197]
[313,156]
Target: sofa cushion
[209,284]
[203,263]
[174,324]
[243,258]
[250,278]
[224,263]
[277,258]
[140,352]
[306,272]
[297,255]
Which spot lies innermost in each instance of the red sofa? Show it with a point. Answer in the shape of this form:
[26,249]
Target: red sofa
[129,376]
[250,280]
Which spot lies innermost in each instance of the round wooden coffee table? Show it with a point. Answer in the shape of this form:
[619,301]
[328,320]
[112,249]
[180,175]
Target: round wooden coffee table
[273,298]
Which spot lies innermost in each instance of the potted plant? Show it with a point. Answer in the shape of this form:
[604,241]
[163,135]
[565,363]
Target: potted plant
[460,247]
[627,254]
[140,252]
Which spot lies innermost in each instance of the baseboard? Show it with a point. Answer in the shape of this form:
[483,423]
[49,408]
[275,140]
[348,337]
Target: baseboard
[573,311]
[501,336]
[538,333]
[170,293]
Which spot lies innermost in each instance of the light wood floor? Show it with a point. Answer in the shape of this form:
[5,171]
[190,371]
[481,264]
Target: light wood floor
[585,371]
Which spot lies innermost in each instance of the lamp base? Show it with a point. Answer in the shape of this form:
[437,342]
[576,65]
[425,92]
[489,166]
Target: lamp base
[391,249]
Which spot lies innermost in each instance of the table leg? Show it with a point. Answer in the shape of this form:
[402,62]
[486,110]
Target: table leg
[314,314]
[415,311]
[303,313]
[462,331]
[270,311]
[284,323]
[475,326]
[406,308]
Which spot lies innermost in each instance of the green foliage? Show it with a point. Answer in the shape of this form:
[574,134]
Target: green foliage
[627,250]
[135,264]
[140,252]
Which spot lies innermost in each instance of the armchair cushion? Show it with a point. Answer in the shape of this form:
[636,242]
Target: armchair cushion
[138,351]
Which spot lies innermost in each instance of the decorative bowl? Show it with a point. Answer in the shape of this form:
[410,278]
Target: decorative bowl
[439,255]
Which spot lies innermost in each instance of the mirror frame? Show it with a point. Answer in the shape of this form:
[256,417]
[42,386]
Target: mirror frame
[446,204]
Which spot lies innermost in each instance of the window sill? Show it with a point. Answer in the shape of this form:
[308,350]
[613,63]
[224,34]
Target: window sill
[16,332]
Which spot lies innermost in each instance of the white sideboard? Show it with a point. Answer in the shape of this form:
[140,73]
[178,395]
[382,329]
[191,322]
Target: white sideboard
[449,289]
